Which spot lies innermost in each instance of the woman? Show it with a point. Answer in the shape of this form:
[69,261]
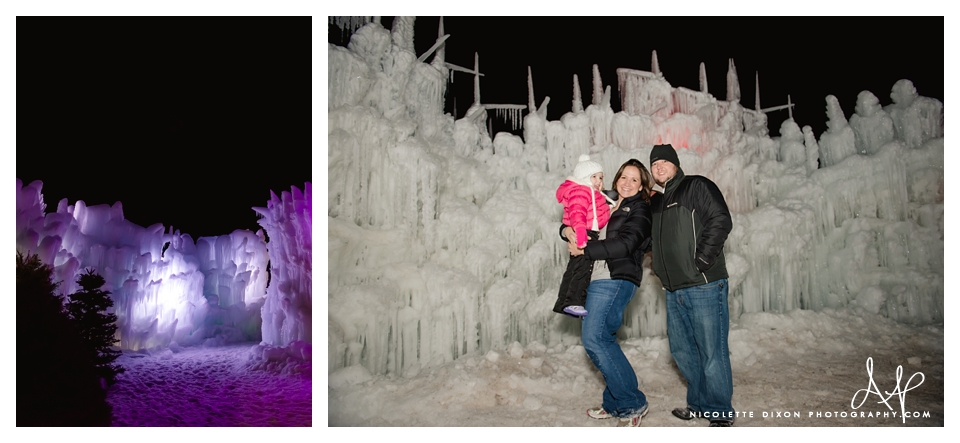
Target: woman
[616,274]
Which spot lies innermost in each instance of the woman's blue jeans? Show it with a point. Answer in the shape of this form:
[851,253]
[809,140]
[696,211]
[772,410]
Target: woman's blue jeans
[698,323]
[606,300]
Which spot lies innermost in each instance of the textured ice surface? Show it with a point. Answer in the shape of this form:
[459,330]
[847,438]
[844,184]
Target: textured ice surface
[443,240]
[223,386]
[287,311]
[801,361]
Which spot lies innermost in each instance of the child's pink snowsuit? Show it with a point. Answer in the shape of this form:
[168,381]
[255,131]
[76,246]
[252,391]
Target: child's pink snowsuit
[578,202]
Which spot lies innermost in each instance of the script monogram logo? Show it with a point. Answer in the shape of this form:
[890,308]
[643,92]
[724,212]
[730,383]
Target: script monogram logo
[873,389]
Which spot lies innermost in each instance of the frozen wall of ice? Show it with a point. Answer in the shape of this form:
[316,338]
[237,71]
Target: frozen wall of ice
[443,241]
[287,311]
[165,287]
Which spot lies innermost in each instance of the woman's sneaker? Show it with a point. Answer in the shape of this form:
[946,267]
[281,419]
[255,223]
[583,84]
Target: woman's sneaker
[598,413]
[576,311]
[633,422]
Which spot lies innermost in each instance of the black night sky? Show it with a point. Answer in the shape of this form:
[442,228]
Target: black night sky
[188,121]
[805,57]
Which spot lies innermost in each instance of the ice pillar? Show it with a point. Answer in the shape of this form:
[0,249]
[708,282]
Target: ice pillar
[733,83]
[703,78]
[577,100]
[287,310]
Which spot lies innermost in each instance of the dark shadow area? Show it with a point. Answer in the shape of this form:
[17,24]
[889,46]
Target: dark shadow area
[57,384]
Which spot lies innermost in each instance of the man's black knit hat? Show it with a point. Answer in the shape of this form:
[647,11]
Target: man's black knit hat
[664,152]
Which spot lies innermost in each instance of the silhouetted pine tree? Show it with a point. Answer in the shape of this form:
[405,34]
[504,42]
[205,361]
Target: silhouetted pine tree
[88,310]
[57,384]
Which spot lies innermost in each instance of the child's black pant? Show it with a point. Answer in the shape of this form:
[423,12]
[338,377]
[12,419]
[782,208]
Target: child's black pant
[573,287]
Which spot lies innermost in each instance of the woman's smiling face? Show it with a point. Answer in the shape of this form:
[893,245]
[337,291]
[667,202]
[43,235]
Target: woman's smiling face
[629,183]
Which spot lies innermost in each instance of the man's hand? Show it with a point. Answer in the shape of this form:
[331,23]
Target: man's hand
[572,242]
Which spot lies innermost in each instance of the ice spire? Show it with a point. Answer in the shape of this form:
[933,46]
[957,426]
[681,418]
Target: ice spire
[654,64]
[531,103]
[402,33]
[436,45]
[733,83]
[542,110]
[597,85]
[812,148]
[703,78]
[758,92]
[605,100]
[476,78]
[577,99]
[440,58]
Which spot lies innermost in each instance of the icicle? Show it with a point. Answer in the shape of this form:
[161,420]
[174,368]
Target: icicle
[597,85]
[577,100]
[703,78]
[441,51]
[654,64]
[621,86]
[530,100]
[433,48]
[758,92]
[476,78]
[350,24]
[733,83]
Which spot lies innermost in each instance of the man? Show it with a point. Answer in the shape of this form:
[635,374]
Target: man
[690,224]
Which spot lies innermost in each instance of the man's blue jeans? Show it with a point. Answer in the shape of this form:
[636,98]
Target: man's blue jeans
[698,323]
[606,300]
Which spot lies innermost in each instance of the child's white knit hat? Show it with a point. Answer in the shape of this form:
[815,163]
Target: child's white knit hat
[585,168]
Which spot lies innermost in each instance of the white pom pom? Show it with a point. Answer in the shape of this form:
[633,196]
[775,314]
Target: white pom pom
[584,158]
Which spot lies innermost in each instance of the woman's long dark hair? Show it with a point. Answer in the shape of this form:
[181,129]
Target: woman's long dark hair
[646,179]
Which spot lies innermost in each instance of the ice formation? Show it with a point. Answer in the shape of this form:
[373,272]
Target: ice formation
[166,287]
[443,240]
[287,310]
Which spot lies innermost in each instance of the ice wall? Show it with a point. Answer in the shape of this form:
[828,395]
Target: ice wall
[287,311]
[443,241]
[165,287]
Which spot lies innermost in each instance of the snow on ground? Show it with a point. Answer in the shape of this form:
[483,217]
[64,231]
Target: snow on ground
[787,369]
[219,386]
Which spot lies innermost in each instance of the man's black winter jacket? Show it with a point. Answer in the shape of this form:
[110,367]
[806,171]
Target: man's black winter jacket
[690,225]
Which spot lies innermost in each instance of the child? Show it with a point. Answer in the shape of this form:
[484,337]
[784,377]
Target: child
[585,209]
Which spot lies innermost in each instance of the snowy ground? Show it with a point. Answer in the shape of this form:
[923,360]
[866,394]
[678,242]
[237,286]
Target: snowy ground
[219,386]
[787,369]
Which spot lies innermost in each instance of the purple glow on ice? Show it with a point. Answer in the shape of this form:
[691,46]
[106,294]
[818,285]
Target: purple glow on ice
[210,387]
[209,291]
[287,311]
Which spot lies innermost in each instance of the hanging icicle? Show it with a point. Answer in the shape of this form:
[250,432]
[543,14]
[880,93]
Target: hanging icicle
[349,24]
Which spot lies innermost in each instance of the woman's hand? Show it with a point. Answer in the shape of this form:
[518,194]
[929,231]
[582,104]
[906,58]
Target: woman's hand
[574,250]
